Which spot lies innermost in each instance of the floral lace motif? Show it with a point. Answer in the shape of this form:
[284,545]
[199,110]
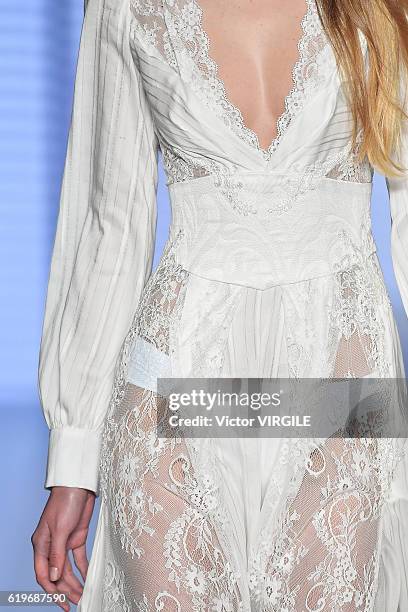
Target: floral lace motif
[350,169]
[323,555]
[161,302]
[318,550]
[113,592]
[117,597]
[161,505]
[357,316]
[305,73]
[156,314]
[160,513]
[174,29]
[151,27]
[167,521]
[180,168]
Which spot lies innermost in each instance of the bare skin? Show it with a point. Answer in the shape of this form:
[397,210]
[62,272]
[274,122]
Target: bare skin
[63,527]
[254,43]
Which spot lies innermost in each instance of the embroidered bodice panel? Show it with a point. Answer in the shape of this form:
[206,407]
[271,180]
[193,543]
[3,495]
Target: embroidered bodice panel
[176,65]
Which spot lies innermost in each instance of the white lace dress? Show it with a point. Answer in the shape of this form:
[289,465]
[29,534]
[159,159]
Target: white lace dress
[270,269]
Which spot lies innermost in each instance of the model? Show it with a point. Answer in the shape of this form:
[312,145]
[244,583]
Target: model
[270,118]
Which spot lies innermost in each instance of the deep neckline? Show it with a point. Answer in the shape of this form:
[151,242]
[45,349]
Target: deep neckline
[289,102]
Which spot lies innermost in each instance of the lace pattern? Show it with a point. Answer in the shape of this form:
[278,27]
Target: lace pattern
[170,533]
[150,26]
[305,75]
[163,502]
[179,167]
[155,315]
[161,514]
[113,589]
[174,29]
[322,554]
[357,316]
[350,169]
[161,303]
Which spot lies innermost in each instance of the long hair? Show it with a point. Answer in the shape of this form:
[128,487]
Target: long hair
[373,92]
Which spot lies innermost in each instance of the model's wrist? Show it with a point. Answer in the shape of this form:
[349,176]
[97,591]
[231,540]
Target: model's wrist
[67,490]
[73,458]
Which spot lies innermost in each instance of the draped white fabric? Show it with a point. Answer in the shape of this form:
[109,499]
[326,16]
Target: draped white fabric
[270,269]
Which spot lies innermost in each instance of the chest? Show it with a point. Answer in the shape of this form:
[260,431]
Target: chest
[255,46]
[258,32]
[252,64]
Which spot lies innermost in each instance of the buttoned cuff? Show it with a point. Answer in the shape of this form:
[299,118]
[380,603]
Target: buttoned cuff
[73,458]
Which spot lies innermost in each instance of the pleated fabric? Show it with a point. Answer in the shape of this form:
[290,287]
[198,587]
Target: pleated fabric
[106,225]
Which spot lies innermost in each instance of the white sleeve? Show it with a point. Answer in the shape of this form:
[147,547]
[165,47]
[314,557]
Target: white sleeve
[104,243]
[398,197]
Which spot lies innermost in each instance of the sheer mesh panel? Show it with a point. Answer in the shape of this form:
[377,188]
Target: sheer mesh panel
[323,548]
[352,171]
[161,304]
[355,346]
[162,540]
[165,551]
[324,557]
[357,327]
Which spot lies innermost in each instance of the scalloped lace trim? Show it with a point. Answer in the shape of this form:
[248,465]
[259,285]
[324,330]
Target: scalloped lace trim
[174,28]
[309,45]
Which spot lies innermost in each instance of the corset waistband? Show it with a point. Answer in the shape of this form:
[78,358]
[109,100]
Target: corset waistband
[261,243]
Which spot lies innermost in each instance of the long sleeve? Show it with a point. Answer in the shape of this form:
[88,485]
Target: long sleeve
[103,247]
[398,196]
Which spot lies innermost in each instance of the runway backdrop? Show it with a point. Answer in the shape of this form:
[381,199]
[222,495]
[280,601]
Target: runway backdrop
[38,50]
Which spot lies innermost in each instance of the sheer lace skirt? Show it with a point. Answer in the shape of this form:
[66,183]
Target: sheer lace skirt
[246,524]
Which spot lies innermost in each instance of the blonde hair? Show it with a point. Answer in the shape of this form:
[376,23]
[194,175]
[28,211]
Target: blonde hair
[374,95]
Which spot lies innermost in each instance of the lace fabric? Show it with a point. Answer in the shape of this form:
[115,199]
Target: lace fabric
[171,538]
[162,529]
[170,512]
[297,274]
[174,29]
[159,511]
[179,36]
[170,535]
[323,552]
[303,76]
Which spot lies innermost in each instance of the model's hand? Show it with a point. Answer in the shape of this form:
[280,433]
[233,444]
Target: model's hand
[63,526]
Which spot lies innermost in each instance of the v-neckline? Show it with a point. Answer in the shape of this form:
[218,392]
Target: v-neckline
[284,119]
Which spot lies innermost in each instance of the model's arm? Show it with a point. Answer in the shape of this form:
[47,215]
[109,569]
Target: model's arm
[398,195]
[101,259]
